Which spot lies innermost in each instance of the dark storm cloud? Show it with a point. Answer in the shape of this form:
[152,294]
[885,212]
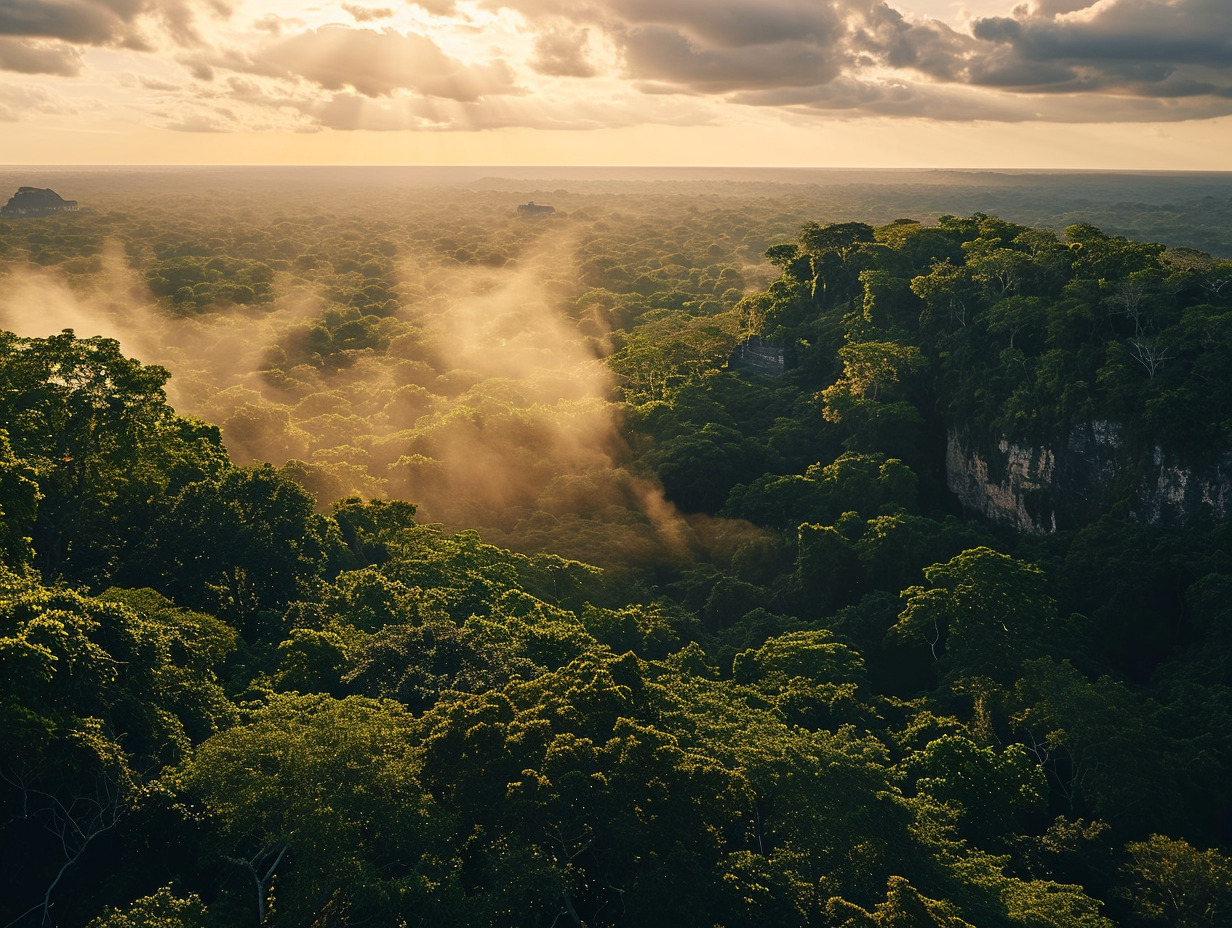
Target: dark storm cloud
[72,20]
[711,46]
[663,54]
[821,54]
[101,22]
[1138,47]
[884,36]
[753,46]
[1051,8]
[27,57]
[738,23]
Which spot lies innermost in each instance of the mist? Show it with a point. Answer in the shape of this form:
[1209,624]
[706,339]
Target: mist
[406,334]
[486,400]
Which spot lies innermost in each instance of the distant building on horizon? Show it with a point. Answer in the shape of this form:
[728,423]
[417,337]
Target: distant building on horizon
[534,209]
[36,201]
[760,356]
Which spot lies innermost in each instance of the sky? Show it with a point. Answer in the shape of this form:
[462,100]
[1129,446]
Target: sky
[1058,84]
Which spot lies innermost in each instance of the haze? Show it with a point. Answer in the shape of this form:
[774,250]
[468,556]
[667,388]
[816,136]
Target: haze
[405,332]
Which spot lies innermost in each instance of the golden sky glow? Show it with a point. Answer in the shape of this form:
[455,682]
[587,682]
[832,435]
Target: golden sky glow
[1117,84]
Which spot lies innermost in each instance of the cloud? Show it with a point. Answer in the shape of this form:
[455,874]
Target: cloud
[706,46]
[199,122]
[1137,48]
[1050,8]
[277,25]
[103,22]
[890,98]
[81,21]
[17,102]
[378,64]
[1172,58]
[26,57]
[736,23]
[363,14]
[717,47]
[152,83]
[349,111]
[497,63]
[663,54]
[562,53]
[437,7]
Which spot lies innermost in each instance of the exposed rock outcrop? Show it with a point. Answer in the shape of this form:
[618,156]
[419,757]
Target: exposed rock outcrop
[1006,487]
[1038,490]
[36,201]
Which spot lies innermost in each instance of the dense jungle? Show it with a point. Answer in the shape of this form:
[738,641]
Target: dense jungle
[844,549]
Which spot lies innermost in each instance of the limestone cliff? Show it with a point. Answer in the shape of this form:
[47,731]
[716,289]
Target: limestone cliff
[1040,489]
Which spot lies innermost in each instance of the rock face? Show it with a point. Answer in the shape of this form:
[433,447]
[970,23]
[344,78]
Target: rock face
[36,201]
[1038,490]
[1003,487]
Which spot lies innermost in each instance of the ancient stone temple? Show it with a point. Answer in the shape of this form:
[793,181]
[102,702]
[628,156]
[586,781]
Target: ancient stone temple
[36,201]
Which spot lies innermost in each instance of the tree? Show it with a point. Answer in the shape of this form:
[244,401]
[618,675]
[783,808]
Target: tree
[103,445]
[19,497]
[948,291]
[163,909]
[1100,256]
[1179,885]
[840,237]
[671,350]
[984,614]
[889,302]
[96,696]
[1015,315]
[243,544]
[700,468]
[868,369]
[374,529]
[874,415]
[1089,737]
[904,907]
[996,793]
[814,655]
[323,796]
[1000,270]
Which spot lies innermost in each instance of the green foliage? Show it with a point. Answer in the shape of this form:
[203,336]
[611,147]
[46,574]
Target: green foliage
[869,484]
[323,795]
[92,429]
[983,615]
[903,905]
[197,281]
[995,793]
[814,655]
[363,718]
[19,497]
[1176,884]
[98,695]
[245,544]
[698,470]
[1088,738]
[674,349]
[163,909]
